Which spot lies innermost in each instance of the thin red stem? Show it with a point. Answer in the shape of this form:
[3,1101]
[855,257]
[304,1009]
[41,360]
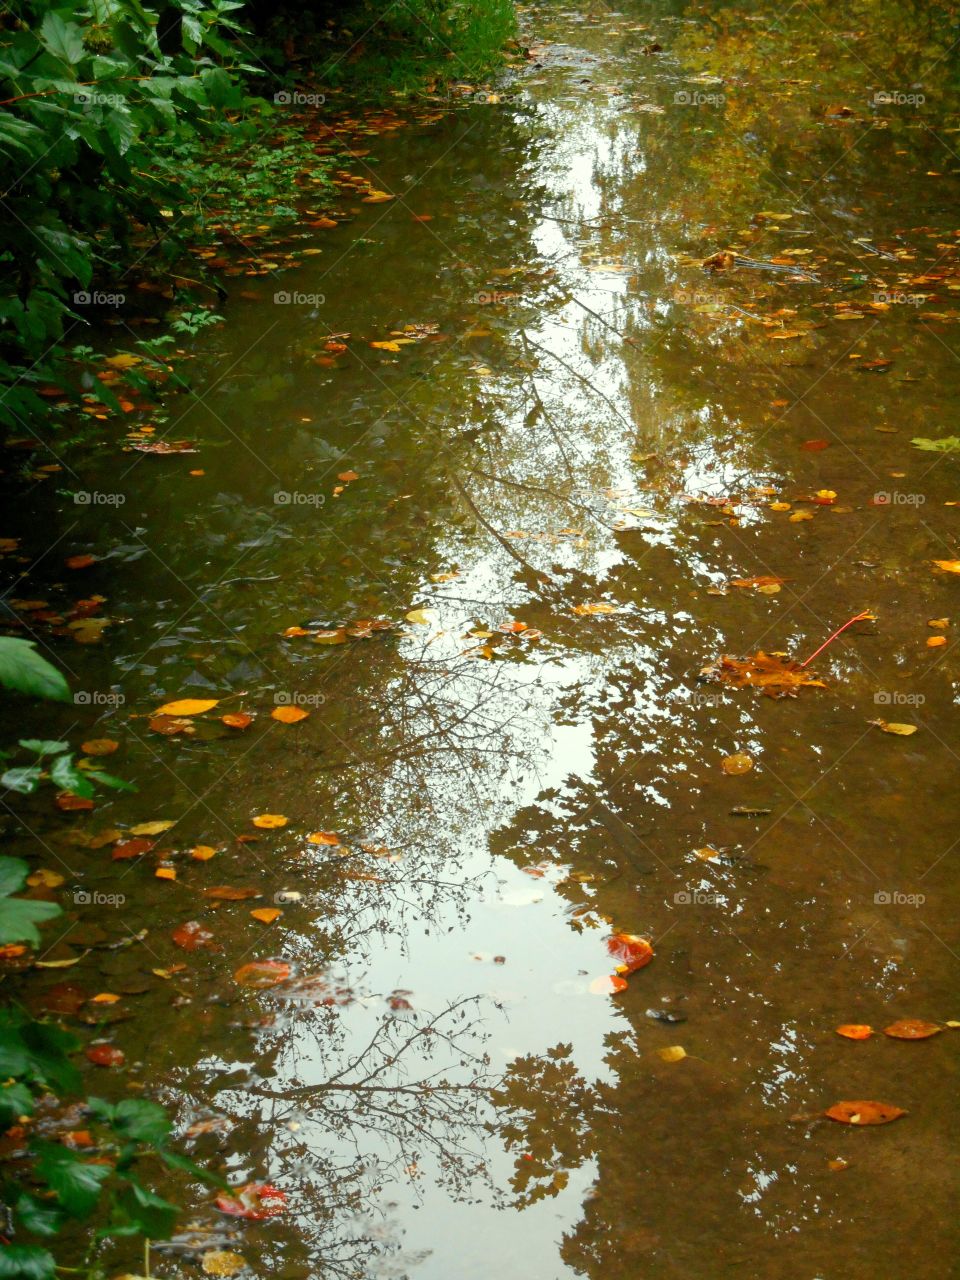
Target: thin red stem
[839,631]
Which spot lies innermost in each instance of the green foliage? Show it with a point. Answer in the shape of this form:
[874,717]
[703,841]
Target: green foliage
[943,444]
[61,771]
[19,917]
[23,670]
[88,92]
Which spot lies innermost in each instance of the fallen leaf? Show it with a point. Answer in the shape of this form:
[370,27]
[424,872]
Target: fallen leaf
[862,1113]
[131,848]
[105,997]
[347,476]
[99,747]
[253,1201]
[631,951]
[911,1029]
[43,878]
[934,642]
[268,821]
[608,985]
[739,763]
[187,707]
[289,715]
[202,852]
[776,676]
[323,837]
[221,1262]
[153,828]
[266,915]
[888,726]
[165,873]
[191,936]
[855,1031]
[262,973]
[104,1055]
[950,566]
[229,893]
[79,562]
[672,1053]
[236,720]
[422,616]
[588,610]
[170,725]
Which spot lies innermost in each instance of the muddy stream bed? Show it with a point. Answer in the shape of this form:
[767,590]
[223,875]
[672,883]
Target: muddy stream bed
[489,561]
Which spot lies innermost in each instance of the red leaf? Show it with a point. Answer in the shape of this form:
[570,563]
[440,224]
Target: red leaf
[192,936]
[254,1201]
[105,1055]
[632,952]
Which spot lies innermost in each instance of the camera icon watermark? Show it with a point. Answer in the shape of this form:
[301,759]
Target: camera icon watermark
[90,98]
[896,498]
[98,698]
[94,498]
[897,698]
[894,98]
[283,298]
[894,898]
[696,898]
[686,98]
[93,898]
[98,298]
[293,698]
[294,98]
[295,498]
[898,298]
[495,298]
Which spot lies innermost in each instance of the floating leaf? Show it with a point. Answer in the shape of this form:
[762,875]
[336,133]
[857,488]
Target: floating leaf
[262,973]
[269,821]
[323,837]
[863,1113]
[230,893]
[912,1029]
[631,951]
[266,915]
[254,1201]
[153,828]
[99,747]
[608,985]
[855,1031]
[888,726]
[672,1053]
[949,566]
[191,936]
[289,715]
[131,848]
[104,1055]
[422,616]
[187,707]
[588,610]
[735,764]
[236,720]
[777,677]
[202,852]
[221,1262]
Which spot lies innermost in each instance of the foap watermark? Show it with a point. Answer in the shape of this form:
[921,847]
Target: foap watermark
[294,98]
[98,298]
[296,498]
[93,898]
[495,298]
[98,698]
[689,298]
[293,698]
[90,98]
[895,898]
[896,698]
[694,98]
[707,698]
[96,498]
[696,898]
[895,98]
[897,498]
[898,298]
[284,299]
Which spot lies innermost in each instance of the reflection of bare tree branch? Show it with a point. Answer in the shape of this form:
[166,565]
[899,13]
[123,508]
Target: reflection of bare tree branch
[531,575]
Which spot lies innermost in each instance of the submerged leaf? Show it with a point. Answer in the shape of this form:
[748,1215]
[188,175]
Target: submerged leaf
[912,1029]
[862,1113]
[777,677]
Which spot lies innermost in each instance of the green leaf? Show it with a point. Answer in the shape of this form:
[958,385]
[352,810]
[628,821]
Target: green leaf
[26,1262]
[24,779]
[49,1046]
[41,1219]
[15,1100]
[110,780]
[44,746]
[63,39]
[177,1161]
[143,1121]
[67,778]
[13,875]
[154,1216]
[76,1183]
[23,670]
[945,444]
[19,918]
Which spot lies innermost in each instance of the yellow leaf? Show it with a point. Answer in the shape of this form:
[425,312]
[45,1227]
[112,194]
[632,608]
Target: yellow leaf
[386,346]
[377,197]
[221,1262]
[424,616]
[323,837]
[673,1053]
[165,873]
[202,852]
[904,730]
[800,515]
[951,566]
[123,361]
[152,828]
[739,763]
[289,715]
[267,821]
[934,642]
[585,610]
[105,997]
[44,879]
[168,973]
[266,914]
[187,707]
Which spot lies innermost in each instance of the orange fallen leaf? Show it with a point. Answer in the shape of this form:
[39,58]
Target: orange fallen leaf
[289,715]
[347,476]
[165,873]
[202,852]
[230,893]
[632,952]
[934,642]
[236,720]
[262,973]
[950,566]
[736,764]
[911,1029]
[608,985]
[588,610]
[323,837]
[187,707]
[266,915]
[70,803]
[99,747]
[855,1031]
[79,562]
[269,821]
[863,1113]
[777,677]
[105,997]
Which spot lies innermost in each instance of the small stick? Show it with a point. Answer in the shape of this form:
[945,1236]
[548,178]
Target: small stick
[829,640]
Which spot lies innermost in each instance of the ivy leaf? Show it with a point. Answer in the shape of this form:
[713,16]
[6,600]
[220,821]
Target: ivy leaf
[26,1262]
[19,918]
[23,670]
[77,1184]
